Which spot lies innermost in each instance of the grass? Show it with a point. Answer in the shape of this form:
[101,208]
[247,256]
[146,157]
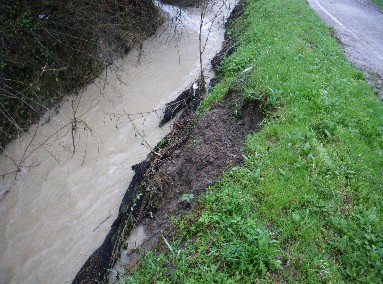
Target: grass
[378,2]
[306,206]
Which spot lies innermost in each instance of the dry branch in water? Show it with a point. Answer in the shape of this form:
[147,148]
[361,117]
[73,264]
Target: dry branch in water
[63,41]
[61,46]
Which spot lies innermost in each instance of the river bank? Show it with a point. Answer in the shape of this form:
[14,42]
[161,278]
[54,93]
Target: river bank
[76,163]
[190,158]
[62,47]
[306,204]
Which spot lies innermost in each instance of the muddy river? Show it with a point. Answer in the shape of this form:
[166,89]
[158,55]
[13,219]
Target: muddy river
[75,165]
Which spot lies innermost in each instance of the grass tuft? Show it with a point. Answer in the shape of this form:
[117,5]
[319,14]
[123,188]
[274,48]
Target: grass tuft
[378,2]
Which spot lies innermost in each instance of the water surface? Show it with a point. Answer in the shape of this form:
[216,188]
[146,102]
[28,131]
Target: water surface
[59,208]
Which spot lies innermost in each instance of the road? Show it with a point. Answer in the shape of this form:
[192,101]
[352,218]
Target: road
[359,27]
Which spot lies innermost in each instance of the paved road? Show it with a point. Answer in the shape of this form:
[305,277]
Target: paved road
[359,26]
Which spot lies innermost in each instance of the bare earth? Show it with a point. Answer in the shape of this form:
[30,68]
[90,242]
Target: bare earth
[359,27]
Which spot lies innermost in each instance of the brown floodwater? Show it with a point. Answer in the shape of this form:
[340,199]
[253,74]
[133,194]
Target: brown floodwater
[59,208]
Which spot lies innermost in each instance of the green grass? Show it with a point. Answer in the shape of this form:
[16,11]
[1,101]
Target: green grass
[378,2]
[306,207]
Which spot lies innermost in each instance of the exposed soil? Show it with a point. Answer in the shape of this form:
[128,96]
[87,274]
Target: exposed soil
[182,3]
[188,160]
[191,158]
[213,147]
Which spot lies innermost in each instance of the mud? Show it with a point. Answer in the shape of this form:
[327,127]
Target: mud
[180,103]
[182,3]
[213,147]
[189,159]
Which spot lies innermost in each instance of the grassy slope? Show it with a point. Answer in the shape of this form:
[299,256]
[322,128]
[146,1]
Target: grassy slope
[307,204]
[379,2]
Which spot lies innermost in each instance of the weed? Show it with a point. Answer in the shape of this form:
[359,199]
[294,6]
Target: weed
[188,197]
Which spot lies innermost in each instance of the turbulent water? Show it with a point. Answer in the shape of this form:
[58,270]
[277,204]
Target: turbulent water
[75,165]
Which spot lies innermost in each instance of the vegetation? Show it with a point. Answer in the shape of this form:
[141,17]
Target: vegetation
[182,3]
[379,2]
[50,48]
[306,206]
